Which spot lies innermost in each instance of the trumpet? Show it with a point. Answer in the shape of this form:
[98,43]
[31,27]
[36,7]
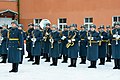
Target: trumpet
[72,43]
[100,42]
[90,40]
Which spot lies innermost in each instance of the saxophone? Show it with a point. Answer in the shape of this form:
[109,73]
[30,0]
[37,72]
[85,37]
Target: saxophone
[100,42]
[90,40]
[72,43]
[45,39]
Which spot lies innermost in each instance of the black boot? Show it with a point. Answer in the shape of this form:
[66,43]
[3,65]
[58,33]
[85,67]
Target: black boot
[91,64]
[31,59]
[28,55]
[37,60]
[71,65]
[102,61]
[4,58]
[116,64]
[60,56]
[74,62]
[47,58]
[44,56]
[108,58]
[94,64]
[21,59]
[14,67]
[53,60]
[65,58]
[83,60]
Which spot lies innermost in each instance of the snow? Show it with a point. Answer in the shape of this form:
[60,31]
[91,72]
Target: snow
[44,71]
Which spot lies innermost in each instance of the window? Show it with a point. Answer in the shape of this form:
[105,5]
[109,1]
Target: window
[61,23]
[37,21]
[87,22]
[115,19]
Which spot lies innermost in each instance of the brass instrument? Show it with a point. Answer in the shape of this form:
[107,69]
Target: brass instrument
[110,33]
[100,42]
[46,36]
[51,38]
[33,39]
[72,43]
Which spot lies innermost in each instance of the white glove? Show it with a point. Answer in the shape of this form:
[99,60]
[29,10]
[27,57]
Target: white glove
[7,48]
[2,38]
[117,37]
[51,40]
[114,35]
[90,38]
[20,49]
[73,39]
[101,37]
[47,33]
[44,37]
[28,36]
[33,39]
[69,41]
[63,38]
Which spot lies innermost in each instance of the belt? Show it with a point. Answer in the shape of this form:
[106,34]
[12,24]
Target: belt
[93,42]
[115,39]
[12,39]
[82,39]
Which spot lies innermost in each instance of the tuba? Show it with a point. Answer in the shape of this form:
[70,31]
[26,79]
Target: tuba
[44,22]
[43,26]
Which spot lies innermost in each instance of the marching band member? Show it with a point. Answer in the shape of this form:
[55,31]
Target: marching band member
[92,50]
[64,42]
[20,27]
[102,45]
[3,43]
[36,39]
[28,41]
[15,45]
[116,45]
[72,45]
[83,44]
[109,48]
[54,46]
[46,42]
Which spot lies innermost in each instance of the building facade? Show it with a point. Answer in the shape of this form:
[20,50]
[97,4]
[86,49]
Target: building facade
[65,12]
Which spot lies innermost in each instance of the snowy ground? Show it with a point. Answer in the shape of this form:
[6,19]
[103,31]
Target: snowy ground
[27,71]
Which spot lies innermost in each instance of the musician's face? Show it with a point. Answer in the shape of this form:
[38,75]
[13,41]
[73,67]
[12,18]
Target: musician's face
[30,27]
[72,28]
[47,26]
[53,28]
[14,25]
[92,29]
[65,28]
[82,28]
[4,27]
[20,28]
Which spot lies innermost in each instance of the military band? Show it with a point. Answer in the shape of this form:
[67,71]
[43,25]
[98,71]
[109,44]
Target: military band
[51,43]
